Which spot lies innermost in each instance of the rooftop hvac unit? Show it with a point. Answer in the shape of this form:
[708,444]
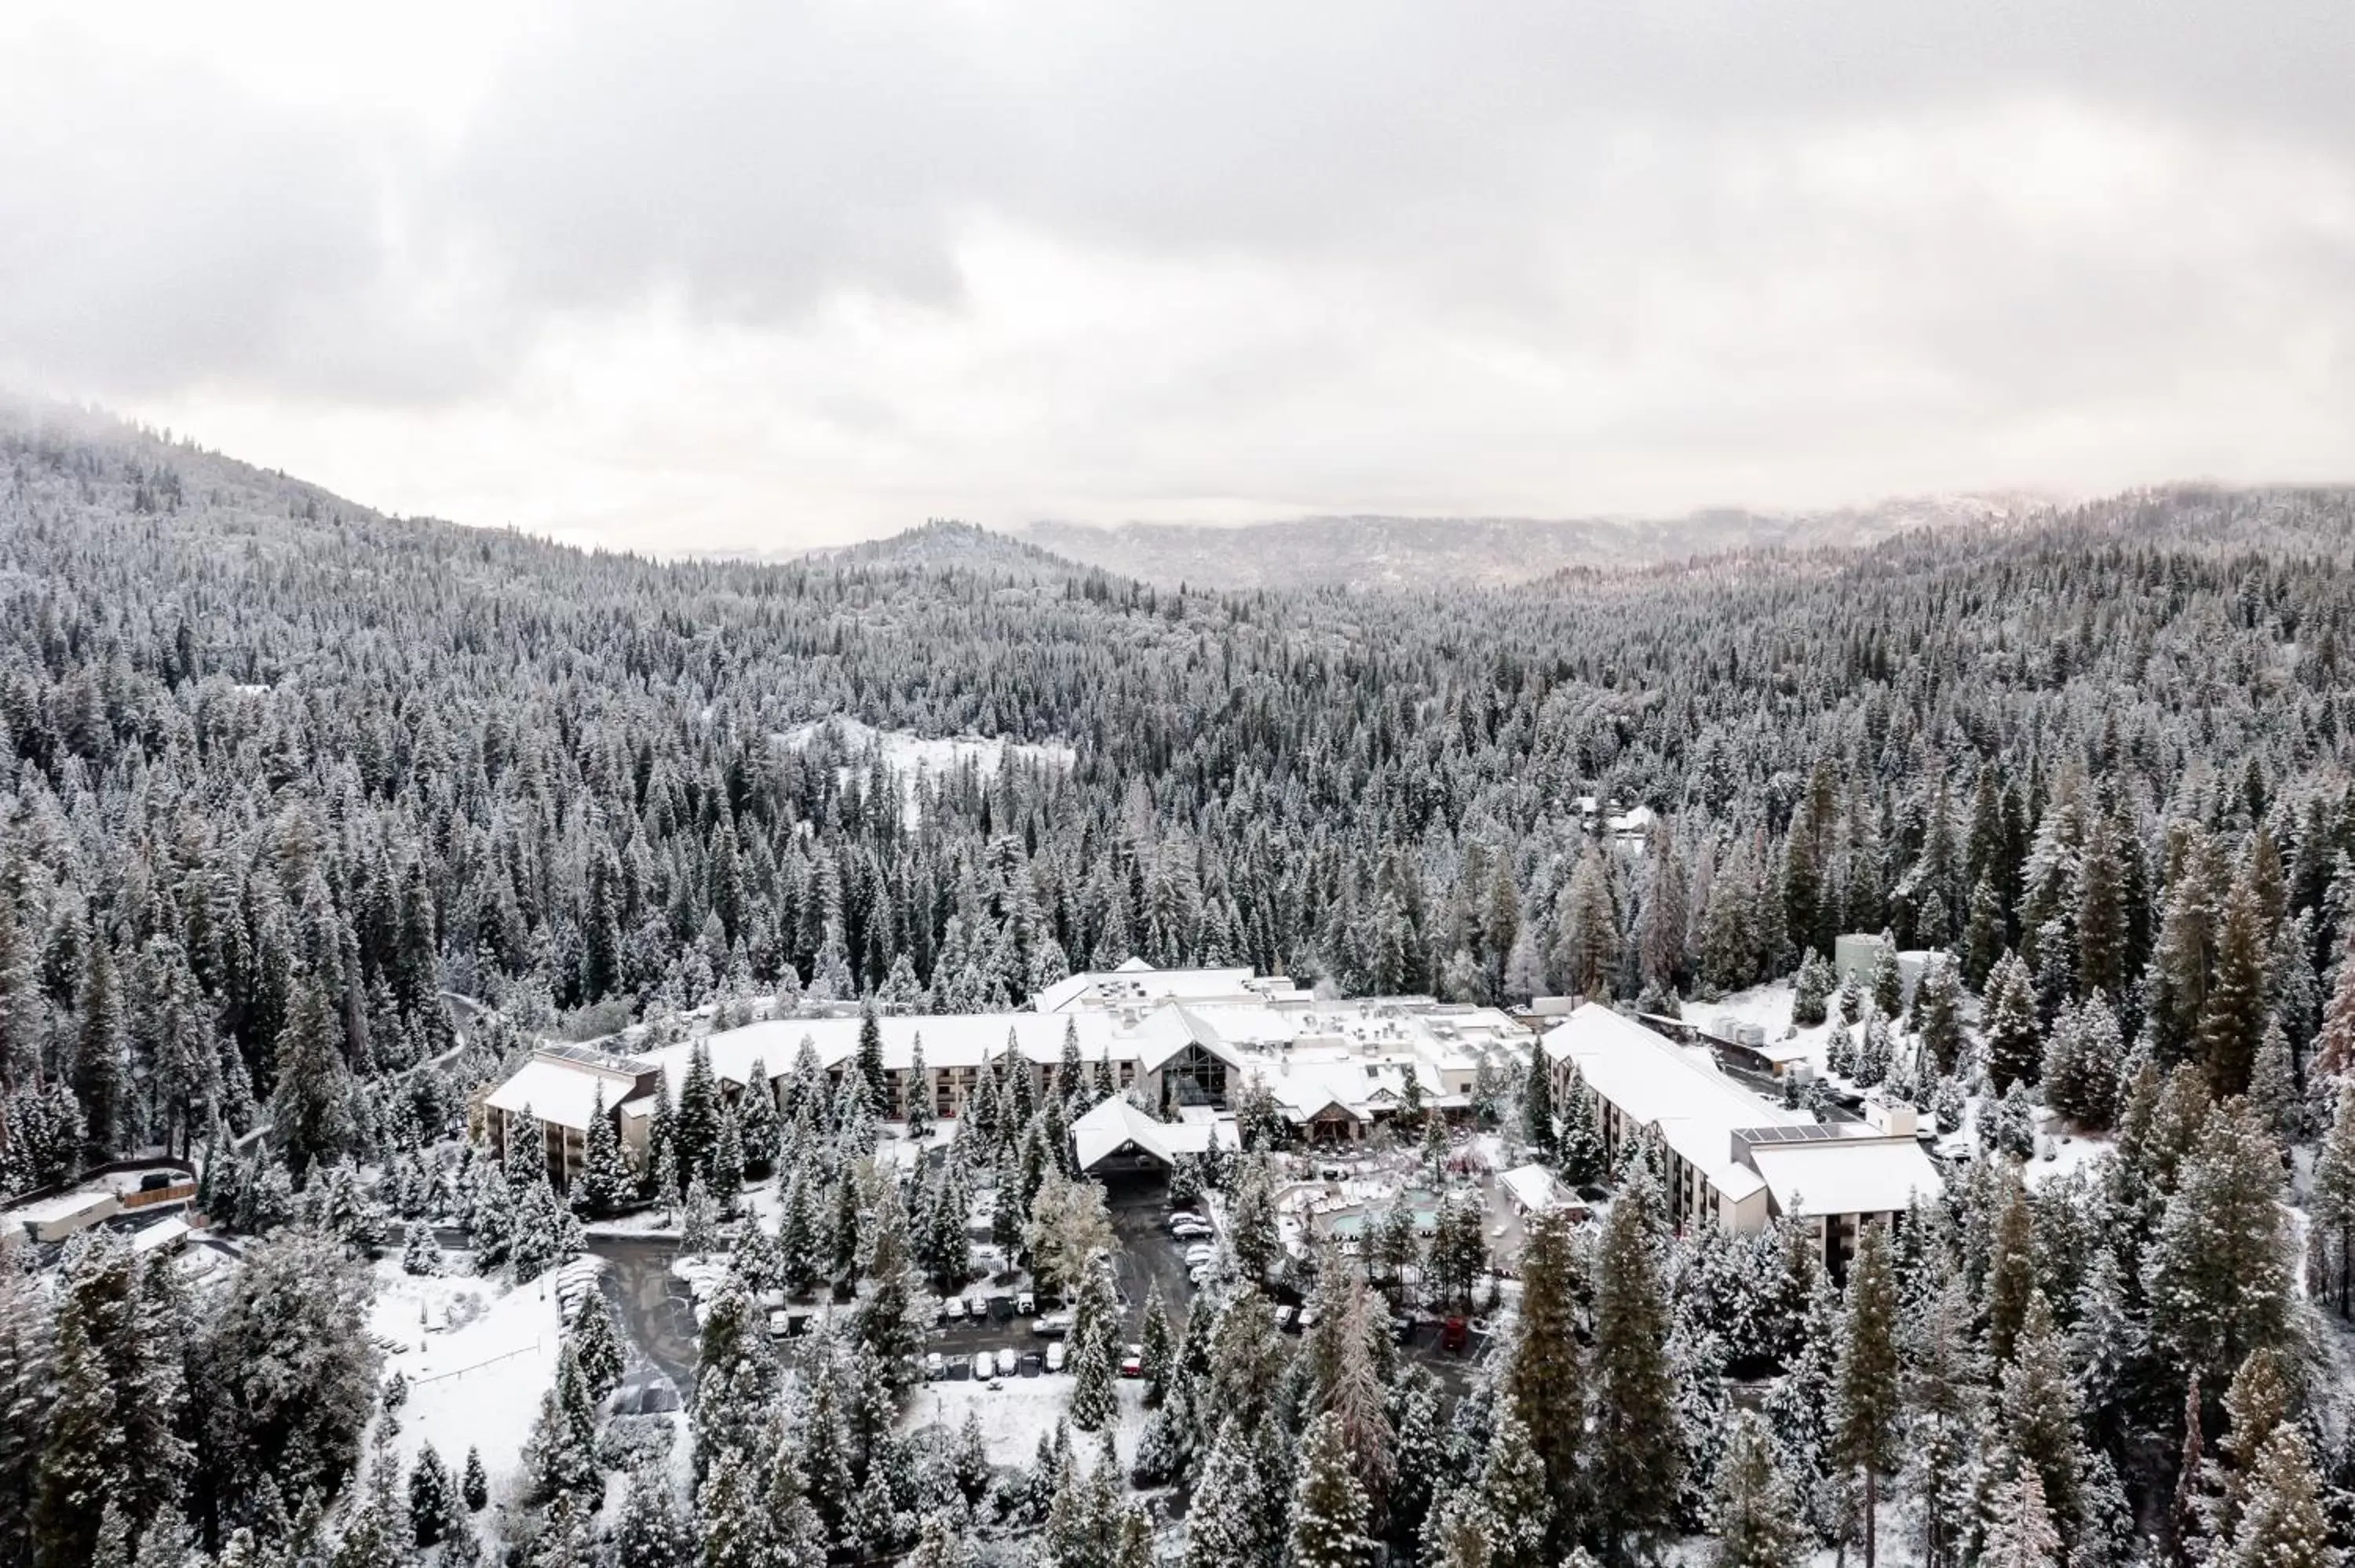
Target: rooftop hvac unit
[1751,1035]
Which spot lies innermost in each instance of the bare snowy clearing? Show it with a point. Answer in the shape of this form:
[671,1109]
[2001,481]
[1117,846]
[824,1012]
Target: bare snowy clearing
[1019,1412]
[913,757]
[475,1386]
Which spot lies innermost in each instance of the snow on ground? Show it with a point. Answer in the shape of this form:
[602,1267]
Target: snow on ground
[909,756]
[1769,1007]
[477,1386]
[2068,1152]
[1017,1414]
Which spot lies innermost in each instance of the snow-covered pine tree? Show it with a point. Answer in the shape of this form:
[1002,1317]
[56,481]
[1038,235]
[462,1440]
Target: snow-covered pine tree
[1812,990]
[2273,1090]
[1328,1506]
[562,1455]
[597,1343]
[2040,1407]
[649,1533]
[1515,1494]
[2015,1046]
[1542,1375]
[1635,1451]
[698,1223]
[1756,1524]
[435,1512]
[727,1177]
[2020,1534]
[1159,1352]
[1865,1378]
[605,1184]
[2216,1275]
[731,1526]
[2332,1205]
[2284,1523]
[1537,1108]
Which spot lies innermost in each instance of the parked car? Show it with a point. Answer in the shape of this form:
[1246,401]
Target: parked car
[1286,1317]
[1307,1318]
[1193,1231]
[985,1365]
[1056,1354]
[1052,1326]
[1032,1364]
[1454,1334]
[953,1309]
[1198,1275]
[1026,1305]
[1184,1217]
[1132,1362]
[1200,1252]
[937,1367]
[960,1369]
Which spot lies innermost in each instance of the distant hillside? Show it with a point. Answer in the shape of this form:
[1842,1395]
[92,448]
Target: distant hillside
[941,544]
[1405,552]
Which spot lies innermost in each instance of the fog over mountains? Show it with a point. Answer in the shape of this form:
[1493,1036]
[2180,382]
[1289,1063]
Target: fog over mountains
[1408,552]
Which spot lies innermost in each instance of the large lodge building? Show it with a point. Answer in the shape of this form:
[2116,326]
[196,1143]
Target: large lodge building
[1190,1041]
[1184,1039]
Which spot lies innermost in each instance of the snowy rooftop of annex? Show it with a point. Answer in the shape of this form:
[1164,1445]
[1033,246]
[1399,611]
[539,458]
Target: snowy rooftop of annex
[1136,983]
[555,1092]
[1847,1175]
[1655,1083]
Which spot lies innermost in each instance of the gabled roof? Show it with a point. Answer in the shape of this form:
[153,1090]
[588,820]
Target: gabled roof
[1656,1084]
[1115,1123]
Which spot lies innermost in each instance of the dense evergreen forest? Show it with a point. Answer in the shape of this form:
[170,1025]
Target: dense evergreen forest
[277,773]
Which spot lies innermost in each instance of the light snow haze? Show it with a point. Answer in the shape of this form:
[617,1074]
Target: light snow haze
[771,276]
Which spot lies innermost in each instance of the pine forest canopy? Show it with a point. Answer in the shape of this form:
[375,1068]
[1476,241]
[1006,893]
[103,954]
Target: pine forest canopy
[278,770]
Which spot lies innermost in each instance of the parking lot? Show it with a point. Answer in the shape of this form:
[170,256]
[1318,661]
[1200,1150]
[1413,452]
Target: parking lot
[657,1310]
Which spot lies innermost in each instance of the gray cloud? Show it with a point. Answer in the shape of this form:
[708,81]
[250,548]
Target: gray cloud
[1096,259]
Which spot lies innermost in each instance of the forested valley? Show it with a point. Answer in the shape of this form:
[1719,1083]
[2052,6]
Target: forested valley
[313,820]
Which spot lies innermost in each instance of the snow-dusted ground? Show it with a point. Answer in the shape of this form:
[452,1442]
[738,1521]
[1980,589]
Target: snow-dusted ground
[477,1386]
[1021,1411]
[2071,1151]
[910,755]
[1769,1007]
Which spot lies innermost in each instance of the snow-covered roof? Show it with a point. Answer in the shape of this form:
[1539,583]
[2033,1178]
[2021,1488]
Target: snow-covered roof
[163,1233]
[1135,984]
[1847,1175]
[1115,1123]
[1352,1052]
[1655,1083]
[951,1039]
[62,1206]
[1533,1187]
[1632,823]
[555,1091]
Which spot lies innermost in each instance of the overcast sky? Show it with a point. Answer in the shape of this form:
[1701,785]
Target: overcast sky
[780,274]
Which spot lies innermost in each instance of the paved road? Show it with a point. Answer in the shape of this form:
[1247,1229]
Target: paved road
[655,1308]
[1148,1255]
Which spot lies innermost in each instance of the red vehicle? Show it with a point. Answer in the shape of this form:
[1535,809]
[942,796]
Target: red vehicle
[1454,1334]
